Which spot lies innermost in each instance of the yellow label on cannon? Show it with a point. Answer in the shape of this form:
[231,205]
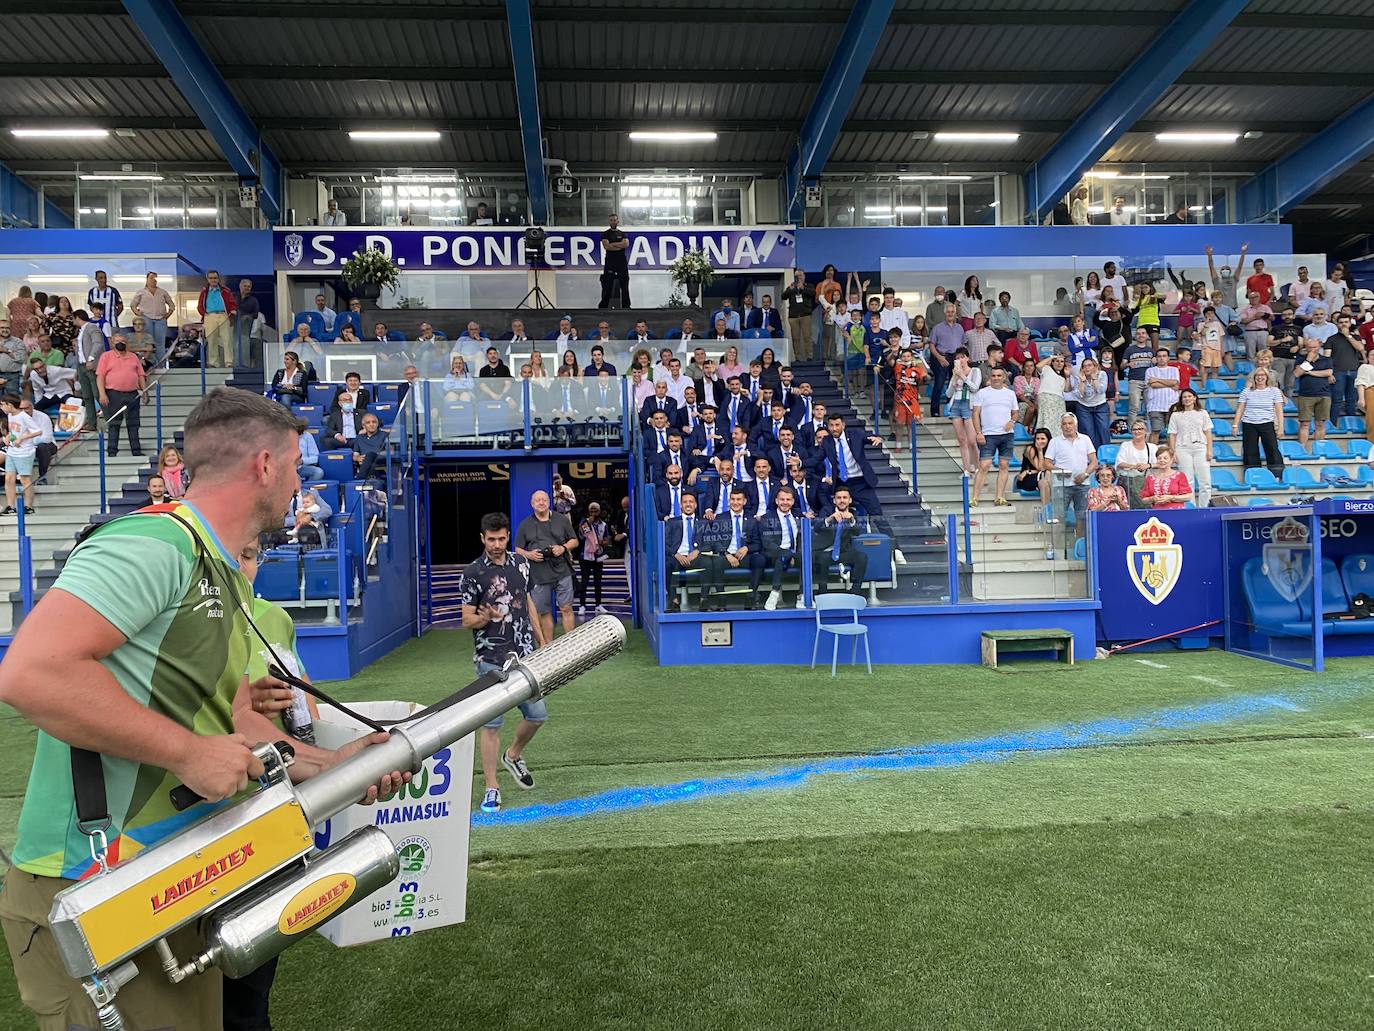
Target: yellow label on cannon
[316,903]
[183,890]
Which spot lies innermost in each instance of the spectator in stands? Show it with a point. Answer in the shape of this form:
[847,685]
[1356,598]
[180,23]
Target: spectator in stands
[688,334]
[1285,341]
[704,441]
[352,392]
[1108,495]
[59,324]
[458,385]
[770,372]
[1090,384]
[369,445]
[305,520]
[536,364]
[843,448]
[48,385]
[640,334]
[1073,460]
[908,375]
[1190,435]
[684,537]
[723,332]
[801,302]
[1134,459]
[48,351]
[1256,318]
[994,417]
[13,357]
[140,343]
[810,493]
[217,307]
[1336,288]
[945,339]
[730,364]
[347,335]
[615,271]
[45,448]
[1111,322]
[23,309]
[1225,279]
[120,379]
[765,318]
[970,302]
[1026,386]
[835,531]
[978,339]
[1316,377]
[736,540]
[107,298]
[669,491]
[327,314]
[659,402]
[290,381]
[33,333]
[568,366]
[598,363]
[1259,417]
[1055,382]
[727,314]
[21,449]
[1083,342]
[1261,283]
[1112,278]
[90,345]
[1300,289]
[1162,383]
[1138,360]
[1211,334]
[186,351]
[1346,350]
[157,490]
[547,540]
[1006,320]
[1164,486]
[309,467]
[1315,302]
[341,425]
[763,490]
[495,368]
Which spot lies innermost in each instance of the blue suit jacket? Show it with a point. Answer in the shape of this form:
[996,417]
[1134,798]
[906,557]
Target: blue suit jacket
[748,413]
[658,465]
[722,532]
[591,371]
[672,535]
[663,499]
[752,506]
[773,320]
[650,406]
[816,499]
[770,529]
[856,441]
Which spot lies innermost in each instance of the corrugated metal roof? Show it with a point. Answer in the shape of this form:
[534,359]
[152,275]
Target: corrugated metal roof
[987,47]
[662,102]
[893,147]
[623,47]
[362,44]
[367,100]
[70,98]
[62,40]
[1308,37]
[147,145]
[1231,107]
[952,103]
[1143,147]
[1090,7]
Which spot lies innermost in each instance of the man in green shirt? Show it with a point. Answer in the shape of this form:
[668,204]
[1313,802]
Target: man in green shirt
[139,653]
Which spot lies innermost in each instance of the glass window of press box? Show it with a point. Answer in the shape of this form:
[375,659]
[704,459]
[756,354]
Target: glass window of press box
[141,199]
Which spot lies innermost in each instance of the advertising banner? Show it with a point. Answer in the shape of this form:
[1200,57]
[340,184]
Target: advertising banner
[1158,572]
[478,249]
[427,821]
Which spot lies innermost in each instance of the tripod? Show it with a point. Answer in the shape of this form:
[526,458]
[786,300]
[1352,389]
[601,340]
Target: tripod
[536,298]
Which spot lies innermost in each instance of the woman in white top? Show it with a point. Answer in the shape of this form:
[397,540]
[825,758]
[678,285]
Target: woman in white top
[1088,297]
[1364,395]
[1190,433]
[1259,418]
[970,302]
[1090,394]
[964,381]
[1134,459]
[1049,402]
[1078,207]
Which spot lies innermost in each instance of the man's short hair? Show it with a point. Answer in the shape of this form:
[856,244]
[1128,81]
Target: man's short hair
[495,522]
[229,424]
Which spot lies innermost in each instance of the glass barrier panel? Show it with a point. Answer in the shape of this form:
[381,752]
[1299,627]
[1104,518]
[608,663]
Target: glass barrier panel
[576,412]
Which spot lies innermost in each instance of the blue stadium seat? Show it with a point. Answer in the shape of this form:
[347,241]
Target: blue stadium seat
[1259,502]
[337,465]
[1080,549]
[1328,449]
[1245,367]
[1123,407]
[1270,612]
[1220,386]
[385,413]
[311,318]
[1290,427]
[1364,474]
[1334,600]
[1351,424]
[1292,449]
[1221,428]
[1107,453]
[1290,407]
[1220,406]
[1298,476]
[312,414]
[322,394]
[1332,473]
[1223,452]
[1357,449]
[457,419]
[1020,434]
[390,393]
[1261,479]
[1225,479]
[328,492]
[344,318]
[321,573]
[1357,574]
[279,575]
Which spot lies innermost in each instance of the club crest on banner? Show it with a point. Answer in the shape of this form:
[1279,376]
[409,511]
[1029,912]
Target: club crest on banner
[294,248]
[1154,561]
[1287,559]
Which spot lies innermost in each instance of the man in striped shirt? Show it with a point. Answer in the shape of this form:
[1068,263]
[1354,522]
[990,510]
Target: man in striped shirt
[1161,382]
[107,297]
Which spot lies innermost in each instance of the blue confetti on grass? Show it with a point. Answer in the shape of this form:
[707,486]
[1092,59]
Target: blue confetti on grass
[994,749]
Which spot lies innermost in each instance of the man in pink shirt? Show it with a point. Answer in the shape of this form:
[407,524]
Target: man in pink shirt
[119,379]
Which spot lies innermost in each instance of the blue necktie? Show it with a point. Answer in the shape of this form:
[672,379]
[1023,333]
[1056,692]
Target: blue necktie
[787,532]
[776,426]
[739,465]
[687,523]
[835,548]
[843,462]
[801,493]
[662,440]
[763,493]
[734,543]
[677,502]
[734,412]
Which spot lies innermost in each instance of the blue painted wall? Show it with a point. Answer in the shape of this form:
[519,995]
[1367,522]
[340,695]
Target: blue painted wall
[235,251]
[19,203]
[853,249]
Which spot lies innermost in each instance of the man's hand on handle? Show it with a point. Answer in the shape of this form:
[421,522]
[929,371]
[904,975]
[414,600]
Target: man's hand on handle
[217,766]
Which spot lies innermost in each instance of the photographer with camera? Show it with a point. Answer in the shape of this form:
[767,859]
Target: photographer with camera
[547,539]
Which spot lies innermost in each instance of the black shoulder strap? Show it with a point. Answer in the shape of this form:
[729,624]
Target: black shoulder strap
[88,788]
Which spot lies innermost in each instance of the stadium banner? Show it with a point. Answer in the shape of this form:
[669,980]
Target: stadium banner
[483,249]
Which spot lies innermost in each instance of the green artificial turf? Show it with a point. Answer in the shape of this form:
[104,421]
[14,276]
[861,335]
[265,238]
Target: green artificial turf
[1210,876]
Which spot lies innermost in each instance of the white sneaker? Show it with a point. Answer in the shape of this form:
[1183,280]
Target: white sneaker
[801,601]
[898,557]
[601,610]
[773,598]
[581,610]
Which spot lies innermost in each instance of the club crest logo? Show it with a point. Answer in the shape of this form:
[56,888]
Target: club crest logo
[1154,561]
[294,245]
[1287,559]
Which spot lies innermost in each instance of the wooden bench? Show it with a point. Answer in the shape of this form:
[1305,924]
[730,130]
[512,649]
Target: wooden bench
[997,641]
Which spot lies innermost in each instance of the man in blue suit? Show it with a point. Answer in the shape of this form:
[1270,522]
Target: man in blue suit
[656,436]
[811,494]
[669,493]
[684,538]
[705,440]
[736,451]
[737,409]
[844,449]
[766,431]
[763,491]
[673,456]
[780,533]
[736,536]
[640,334]
[780,455]
[766,317]
[833,541]
[659,402]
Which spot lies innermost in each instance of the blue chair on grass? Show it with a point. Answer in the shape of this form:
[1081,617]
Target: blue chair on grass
[841,602]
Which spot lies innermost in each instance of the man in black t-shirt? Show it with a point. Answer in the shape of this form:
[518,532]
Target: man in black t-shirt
[546,540]
[617,266]
[1285,340]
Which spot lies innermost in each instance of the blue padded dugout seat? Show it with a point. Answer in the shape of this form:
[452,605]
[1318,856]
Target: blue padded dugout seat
[1270,612]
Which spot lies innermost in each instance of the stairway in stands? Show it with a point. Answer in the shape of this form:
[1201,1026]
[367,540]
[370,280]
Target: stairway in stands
[917,533]
[447,611]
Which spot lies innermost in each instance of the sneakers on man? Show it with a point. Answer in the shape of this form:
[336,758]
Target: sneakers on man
[581,610]
[898,557]
[601,610]
[773,598]
[491,801]
[8,510]
[517,769]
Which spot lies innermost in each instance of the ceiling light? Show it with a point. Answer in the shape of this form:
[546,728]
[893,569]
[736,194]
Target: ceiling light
[879,212]
[1125,175]
[394,135]
[135,218]
[450,179]
[1101,175]
[934,178]
[121,177]
[92,211]
[662,179]
[977,137]
[60,134]
[1197,137]
[206,212]
[671,136]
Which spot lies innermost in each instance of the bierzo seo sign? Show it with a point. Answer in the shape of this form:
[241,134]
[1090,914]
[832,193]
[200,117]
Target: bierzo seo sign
[480,249]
